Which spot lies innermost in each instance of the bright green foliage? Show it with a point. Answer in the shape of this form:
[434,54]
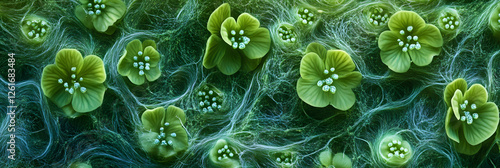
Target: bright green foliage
[101,15]
[224,155]
[235,45]
[470,119]
[210,98]
[339,160]
[409,37]
[164,135]
[74,83]
[35,28]
[140,61]
[327,78]
[394,151]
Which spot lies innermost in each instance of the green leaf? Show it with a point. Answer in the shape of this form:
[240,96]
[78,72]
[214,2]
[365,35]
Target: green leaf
[325,158]
[174,116]
[452,125]
[248,23]
[68,58]
[147,43]
[216,48]
[349,80]
[259,45]
[318,49]
[125,65]
[146,140]
[115,9]
[430,35]
[312,67]
[340,160]
[133,48]
[230,63]
[464,147]
[82,16]
[402,19]
[483,127]
[456,100]
[217,17]
[51,88]
[476,94]
[388,40]
[424,56]
[153,74]
[248,65]
[339,60]
[152,119]
[135,78]
[180,141]
[312,94]
[343,99]
[397,60]
[92,70]
[90,100]
[154,56]
[228,25]
[450,89]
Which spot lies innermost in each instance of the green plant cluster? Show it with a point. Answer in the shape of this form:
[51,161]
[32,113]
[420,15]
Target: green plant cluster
[77,84]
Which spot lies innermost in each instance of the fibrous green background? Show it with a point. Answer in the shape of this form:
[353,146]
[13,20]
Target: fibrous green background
[263,112]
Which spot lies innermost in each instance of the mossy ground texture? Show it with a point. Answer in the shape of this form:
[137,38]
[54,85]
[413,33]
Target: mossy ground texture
[262,112]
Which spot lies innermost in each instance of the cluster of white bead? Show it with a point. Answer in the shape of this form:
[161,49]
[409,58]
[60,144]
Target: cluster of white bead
[224,153]
[286,34]
[411,41]
[239,40]
[210,100]
[74,84]
[38,28]
[450,22]
[143,64]
[162,138]
[306,16]
[378,17]
[467,116]
[396,150]
[327,84]
[285,158]
[95,8]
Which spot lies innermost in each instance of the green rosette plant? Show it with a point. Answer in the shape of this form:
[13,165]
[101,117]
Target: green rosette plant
[101,15]
[224,155]
[393,151]
[449,21]
[409,37]
[235,45]
[35,28]
[74,83]
[327,78]
[164,135]
[140,62]
[470,119]
[339,160]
